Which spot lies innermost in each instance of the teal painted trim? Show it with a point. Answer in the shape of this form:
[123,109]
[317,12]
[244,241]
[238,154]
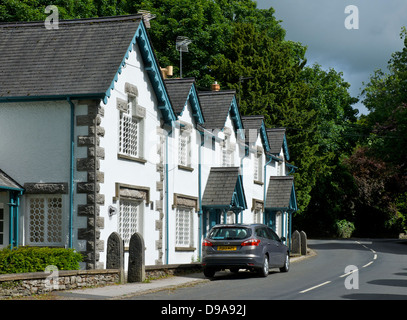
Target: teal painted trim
[196,107]
[17,201]
[241,197]
[150,65]
[274,158]
[71,169]
[14,204]
[53,97]
[285,145]
[264,138]
[293,200]
[247,153]
[11,221]
[270,209]
[291,167]
[237,121]
[200,215]
[271,220]
[11,188]
[265,185]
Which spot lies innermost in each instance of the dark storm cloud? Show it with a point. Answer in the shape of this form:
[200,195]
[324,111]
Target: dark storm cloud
[320,25]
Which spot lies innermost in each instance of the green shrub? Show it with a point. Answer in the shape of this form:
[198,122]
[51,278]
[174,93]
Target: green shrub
[344,228]
[36,259]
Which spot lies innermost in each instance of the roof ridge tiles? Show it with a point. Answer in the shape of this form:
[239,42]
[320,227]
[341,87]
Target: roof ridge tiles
[282,178]
[191,79]
[72,21]
[217,92]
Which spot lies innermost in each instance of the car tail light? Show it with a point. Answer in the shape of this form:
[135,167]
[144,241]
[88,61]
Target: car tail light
[207,243]
[251,242]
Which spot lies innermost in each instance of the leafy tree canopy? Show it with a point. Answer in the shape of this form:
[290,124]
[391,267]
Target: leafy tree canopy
[244,48]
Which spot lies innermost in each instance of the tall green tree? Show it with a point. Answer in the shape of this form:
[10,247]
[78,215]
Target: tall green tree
[379,164]
[34,10]
[331,139]
[243,48]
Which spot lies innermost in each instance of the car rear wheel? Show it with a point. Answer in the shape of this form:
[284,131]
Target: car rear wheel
[286,266]
[208,272]
[264,271]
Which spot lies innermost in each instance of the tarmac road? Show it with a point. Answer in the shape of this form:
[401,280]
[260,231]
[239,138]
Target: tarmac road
[357,269]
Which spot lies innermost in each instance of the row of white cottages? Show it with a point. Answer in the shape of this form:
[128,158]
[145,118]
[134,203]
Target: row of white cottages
[94,140]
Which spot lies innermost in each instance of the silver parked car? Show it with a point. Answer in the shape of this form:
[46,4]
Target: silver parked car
[253,247]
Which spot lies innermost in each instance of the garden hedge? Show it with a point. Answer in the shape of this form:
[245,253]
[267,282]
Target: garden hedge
[36,259]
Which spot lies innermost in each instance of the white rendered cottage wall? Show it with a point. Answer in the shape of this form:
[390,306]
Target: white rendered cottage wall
[35,141]
[254,188]
[130,172]
[183,188]
[35,148]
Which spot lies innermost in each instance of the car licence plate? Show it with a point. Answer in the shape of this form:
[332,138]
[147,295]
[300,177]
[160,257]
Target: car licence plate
[226,248]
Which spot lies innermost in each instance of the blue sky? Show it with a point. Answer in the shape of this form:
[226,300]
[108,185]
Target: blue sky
[320,25]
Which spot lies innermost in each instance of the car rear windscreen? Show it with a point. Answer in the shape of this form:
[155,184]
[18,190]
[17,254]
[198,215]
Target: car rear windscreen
[229,233]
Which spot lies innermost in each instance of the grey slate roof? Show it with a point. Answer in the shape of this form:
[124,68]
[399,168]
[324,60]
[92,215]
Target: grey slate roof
[252,125]
[215,107]
[276,139]
[178,90]
[220,186]
[8,182]
[80,58]
[279,192]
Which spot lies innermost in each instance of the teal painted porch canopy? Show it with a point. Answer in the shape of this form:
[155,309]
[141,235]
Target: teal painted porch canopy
[224,190]
[281,194]
[8,183]
[15,190]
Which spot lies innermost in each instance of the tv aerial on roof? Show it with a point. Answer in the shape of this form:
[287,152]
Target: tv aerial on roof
[181,44]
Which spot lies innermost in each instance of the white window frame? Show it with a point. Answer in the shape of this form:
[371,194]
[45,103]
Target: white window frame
[35,222]
[184,148]
[133,119]
[134,219]
[184,227]
[227,152]
[258,216]
[230,218]
[258,167]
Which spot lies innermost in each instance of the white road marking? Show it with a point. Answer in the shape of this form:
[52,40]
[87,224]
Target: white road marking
[346,274]
[312,288]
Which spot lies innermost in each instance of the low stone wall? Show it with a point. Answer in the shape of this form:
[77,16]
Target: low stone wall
[158,271]
[26,284]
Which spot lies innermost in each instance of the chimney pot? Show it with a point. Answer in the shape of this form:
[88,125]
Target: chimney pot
[215,86]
